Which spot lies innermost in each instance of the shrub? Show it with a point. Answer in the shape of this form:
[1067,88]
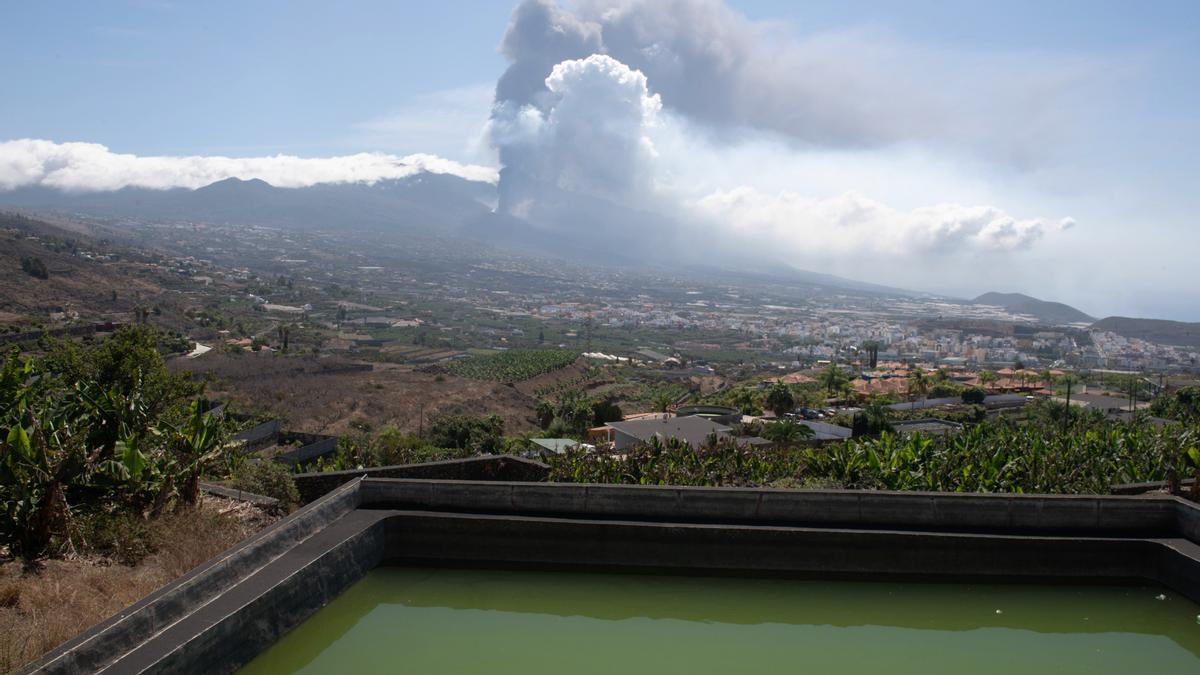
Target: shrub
[478,434]
[269,479]
[10,596]
[34,267]
[118,535]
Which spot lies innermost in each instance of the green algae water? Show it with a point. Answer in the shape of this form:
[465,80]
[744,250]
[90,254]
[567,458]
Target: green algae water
[458,622]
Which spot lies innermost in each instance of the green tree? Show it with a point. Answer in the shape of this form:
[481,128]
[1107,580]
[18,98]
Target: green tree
[34,267]
[872,420]
[744,399]
[832,378]
[482,434]
[987,378]
[1068,382]
[973,396]
[606,410]
[661,400]
[779,399]
[787,431]
[918,384]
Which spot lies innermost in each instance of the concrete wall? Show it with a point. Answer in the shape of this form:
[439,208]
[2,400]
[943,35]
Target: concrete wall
[859,509]
[308,453]
[259,437]
[217,618]
[487,468]
[520,541]
[791,532]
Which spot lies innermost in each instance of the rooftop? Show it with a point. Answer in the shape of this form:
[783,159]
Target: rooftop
[556,445]
[693,430]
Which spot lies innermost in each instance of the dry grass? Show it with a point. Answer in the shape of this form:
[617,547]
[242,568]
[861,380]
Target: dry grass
[40,610]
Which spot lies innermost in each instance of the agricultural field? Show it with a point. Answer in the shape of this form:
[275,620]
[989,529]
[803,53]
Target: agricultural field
[514,365]
[1042,453]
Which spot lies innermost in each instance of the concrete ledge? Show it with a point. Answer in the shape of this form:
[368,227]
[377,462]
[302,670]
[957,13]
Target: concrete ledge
[109,640]
[1143,488]
[486,468]
[261,501]
[229,631]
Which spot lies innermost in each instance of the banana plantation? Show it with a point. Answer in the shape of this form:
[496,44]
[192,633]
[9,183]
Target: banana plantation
[95,431]
[1087,454]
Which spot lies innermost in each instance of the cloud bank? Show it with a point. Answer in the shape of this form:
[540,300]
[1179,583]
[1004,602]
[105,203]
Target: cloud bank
[86,167]
[852,224]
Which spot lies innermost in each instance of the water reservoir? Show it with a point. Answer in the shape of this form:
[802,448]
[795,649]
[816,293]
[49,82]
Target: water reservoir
[436,621]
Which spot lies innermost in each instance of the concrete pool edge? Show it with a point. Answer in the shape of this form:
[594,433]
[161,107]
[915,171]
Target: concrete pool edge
[271,583]
[105,642]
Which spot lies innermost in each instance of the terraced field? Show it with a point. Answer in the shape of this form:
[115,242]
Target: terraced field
[514,365]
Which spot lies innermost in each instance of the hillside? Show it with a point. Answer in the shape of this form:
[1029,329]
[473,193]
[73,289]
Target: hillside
[432,204]
[1160,331]
[76,279]
[1042,310]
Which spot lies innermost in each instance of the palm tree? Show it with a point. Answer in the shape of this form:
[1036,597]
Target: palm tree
[780,400]
[918,384]
[1067,380]
[988,378]
[1133,385]
[872,420]
[787,431]
[832,378]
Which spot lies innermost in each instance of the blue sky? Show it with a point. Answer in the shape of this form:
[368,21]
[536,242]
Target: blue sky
[1115,149]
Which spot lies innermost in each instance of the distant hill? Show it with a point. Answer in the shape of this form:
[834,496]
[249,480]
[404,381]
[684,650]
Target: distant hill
[1160,331]
[425,201]
[436,204]
[1042,310]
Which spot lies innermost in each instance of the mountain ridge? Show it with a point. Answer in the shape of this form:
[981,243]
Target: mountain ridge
[1042,310]
[1161,331]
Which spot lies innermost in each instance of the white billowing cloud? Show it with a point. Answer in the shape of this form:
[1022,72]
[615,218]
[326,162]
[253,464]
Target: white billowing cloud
[590,139]
[852,224]
[93,167]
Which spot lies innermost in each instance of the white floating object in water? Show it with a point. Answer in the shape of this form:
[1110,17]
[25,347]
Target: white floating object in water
[999,612]
[1161,596]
